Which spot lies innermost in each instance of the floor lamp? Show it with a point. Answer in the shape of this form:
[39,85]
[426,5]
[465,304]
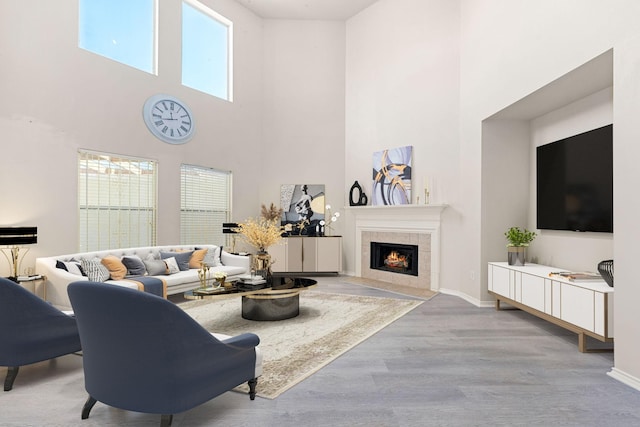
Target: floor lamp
[12,239]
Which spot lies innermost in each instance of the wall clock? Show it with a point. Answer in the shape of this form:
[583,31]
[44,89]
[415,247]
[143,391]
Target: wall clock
[169,119]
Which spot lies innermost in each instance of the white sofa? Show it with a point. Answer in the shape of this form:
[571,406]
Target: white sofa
[57,279]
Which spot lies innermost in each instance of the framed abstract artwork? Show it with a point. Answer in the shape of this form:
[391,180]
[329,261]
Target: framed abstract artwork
[392,176]
[302,207]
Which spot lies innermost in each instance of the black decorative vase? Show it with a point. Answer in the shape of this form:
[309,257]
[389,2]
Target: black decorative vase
[362,198]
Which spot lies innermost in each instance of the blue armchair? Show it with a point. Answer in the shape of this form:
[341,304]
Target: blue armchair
[145,354]
[31,330]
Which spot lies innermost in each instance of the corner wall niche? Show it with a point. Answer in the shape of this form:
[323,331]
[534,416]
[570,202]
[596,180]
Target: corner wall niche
[401,225]
[577,101]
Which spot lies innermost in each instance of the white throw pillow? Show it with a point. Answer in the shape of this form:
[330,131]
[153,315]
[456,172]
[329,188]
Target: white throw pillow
[172,265]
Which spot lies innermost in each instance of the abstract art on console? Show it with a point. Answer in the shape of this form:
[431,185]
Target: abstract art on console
[392,176]
[302,204]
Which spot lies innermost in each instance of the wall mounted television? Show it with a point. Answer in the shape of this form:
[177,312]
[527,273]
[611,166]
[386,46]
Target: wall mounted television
[575,182]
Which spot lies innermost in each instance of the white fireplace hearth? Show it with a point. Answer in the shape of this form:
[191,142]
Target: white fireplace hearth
[402,224]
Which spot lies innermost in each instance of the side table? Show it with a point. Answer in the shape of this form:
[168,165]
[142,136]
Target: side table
[35,280]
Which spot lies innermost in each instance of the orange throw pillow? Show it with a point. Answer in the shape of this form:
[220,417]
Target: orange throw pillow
[117,270]
[197,257]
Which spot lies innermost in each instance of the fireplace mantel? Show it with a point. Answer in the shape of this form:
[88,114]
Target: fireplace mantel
[421,219]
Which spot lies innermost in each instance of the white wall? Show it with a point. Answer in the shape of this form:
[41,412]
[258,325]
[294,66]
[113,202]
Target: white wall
[303,109]
[57,98]
[566,249]
[402,88]
[626,152]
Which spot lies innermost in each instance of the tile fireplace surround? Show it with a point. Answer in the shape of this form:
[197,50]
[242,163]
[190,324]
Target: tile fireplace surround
[402,224]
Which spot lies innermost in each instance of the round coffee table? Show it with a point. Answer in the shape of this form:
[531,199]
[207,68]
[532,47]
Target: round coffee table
[280,301]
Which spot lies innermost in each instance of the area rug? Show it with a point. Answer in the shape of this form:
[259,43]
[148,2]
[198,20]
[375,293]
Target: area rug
[293,349]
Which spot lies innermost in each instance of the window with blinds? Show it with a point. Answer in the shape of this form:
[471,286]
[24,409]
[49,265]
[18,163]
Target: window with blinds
[116,200]
[205,205]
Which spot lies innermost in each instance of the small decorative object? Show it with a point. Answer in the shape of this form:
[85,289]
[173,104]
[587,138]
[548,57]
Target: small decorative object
[392,177]
[203,275]
[362,198]
[220,277]
[605,268]
[518,242]
[262,264]
[325,226]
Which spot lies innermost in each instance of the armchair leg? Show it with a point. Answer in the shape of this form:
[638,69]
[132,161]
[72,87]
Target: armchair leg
[88,405]
[166,420]
[252,388]
[12,373]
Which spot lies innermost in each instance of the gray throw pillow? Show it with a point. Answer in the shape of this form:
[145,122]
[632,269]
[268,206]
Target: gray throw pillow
[155,267]
[135,266]
[182,258]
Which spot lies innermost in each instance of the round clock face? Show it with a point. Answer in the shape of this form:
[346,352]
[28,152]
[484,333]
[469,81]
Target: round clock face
[169,119]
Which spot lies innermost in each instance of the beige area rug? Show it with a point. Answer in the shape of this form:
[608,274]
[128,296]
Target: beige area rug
[294,349]
[391,287]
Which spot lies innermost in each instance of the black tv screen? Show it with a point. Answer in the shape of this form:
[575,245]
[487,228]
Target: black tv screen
[575,182]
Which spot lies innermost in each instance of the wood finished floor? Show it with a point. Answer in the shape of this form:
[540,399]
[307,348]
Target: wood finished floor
[447,363]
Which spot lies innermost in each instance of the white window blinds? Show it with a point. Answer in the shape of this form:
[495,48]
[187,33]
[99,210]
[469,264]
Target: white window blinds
[116,200]
[205,205]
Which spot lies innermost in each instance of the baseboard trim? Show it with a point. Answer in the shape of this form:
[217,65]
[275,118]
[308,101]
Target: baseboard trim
[624,378]
[469,299]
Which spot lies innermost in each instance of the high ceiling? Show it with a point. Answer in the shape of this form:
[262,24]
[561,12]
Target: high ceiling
[340,10]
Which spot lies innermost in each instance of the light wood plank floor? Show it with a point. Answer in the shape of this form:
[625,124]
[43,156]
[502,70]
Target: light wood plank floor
[447,363]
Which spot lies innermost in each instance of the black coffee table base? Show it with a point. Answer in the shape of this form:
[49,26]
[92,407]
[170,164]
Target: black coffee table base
[271,306]
[278,302]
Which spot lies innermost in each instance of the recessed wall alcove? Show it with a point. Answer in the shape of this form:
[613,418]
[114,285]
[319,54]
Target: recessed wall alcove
[577,101]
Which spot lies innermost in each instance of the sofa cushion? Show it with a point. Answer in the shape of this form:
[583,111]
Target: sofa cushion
[95,271]
[117,270]
[182,258]
[135,266]
[72,267]
[212,258]
[197,258]
[155,267]
[172,265]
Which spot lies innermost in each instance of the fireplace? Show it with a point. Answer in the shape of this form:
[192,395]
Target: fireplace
[402,224]
[393,257]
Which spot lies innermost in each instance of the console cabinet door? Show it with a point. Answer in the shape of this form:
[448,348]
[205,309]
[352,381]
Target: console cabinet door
[279,256]
[309,254]
[533,291]
[501,281]
[329,254]
[577,306]
[294,254]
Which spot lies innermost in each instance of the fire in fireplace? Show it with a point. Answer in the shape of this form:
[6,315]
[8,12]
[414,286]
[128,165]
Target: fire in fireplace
[394,257]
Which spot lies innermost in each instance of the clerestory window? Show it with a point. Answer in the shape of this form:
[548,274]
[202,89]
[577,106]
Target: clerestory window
[207,40]
[121,30]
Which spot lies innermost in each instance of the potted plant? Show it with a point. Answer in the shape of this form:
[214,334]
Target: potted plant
[518,242]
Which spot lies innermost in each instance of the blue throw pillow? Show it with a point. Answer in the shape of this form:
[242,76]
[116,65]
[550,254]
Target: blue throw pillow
[182,258]
[135,266]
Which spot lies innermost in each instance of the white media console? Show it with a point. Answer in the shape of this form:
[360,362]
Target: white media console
[585,308]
